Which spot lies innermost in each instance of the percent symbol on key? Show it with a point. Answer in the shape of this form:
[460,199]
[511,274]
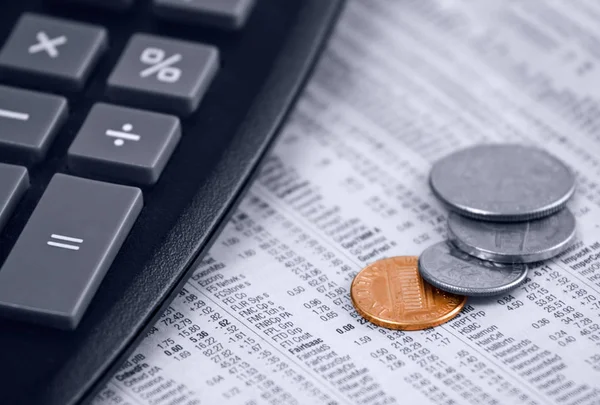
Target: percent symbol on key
[160,65]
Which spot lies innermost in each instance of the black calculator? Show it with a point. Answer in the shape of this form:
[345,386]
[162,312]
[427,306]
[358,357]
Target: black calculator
[129,130]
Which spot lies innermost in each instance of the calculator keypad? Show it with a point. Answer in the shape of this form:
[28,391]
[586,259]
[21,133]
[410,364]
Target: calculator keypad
[58,261]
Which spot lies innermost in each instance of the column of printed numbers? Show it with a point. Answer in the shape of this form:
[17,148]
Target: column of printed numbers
[422,356]
[494,379]
[215,347]
[568,311]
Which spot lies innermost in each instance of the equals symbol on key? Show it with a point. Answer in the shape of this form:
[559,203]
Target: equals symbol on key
[63,239]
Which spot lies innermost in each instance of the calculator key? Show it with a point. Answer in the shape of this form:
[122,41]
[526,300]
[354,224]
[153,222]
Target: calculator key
[14,181]
[124,144]
[28,123]
[228,14]
[163,74]
[52,52]
[62,255]
[110,4]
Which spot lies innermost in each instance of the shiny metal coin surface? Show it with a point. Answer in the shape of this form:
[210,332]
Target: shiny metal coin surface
[513,242]
[450,269]
[502,182]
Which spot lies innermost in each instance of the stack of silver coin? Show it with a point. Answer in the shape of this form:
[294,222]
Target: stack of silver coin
[507,206]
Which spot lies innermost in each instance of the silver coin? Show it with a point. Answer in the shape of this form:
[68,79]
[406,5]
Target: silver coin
[502,182]
[513,242]
[450,269]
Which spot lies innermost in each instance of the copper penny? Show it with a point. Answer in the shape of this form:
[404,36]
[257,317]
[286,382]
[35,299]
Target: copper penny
[392,294]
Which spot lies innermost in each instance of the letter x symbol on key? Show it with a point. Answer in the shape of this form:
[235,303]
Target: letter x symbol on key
[46,44]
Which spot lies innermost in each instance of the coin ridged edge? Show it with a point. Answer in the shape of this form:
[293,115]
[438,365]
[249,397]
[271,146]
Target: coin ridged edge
[473,291]
[486,254]
[513,217]
[487,216]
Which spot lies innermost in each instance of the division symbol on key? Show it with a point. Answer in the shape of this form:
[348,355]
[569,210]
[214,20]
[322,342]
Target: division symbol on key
[123,135]
[160,65]
[73,245]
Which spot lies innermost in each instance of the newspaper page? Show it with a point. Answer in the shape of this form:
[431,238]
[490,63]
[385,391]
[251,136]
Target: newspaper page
[267,317]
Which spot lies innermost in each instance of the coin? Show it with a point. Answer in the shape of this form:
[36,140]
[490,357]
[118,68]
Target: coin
[502,182]
[513,242]
[390,293]
[450,269]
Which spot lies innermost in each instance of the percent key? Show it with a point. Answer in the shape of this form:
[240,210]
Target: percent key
[164,74]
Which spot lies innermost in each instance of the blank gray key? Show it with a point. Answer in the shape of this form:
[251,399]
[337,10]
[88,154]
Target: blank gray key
[228,14]
[67,246]
[164,74]
[124,144]
[28,123]
[14,181]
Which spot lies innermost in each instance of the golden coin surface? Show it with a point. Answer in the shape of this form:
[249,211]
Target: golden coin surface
[391,293]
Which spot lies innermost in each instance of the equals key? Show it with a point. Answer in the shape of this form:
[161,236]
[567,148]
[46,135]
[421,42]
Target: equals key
[66,248]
